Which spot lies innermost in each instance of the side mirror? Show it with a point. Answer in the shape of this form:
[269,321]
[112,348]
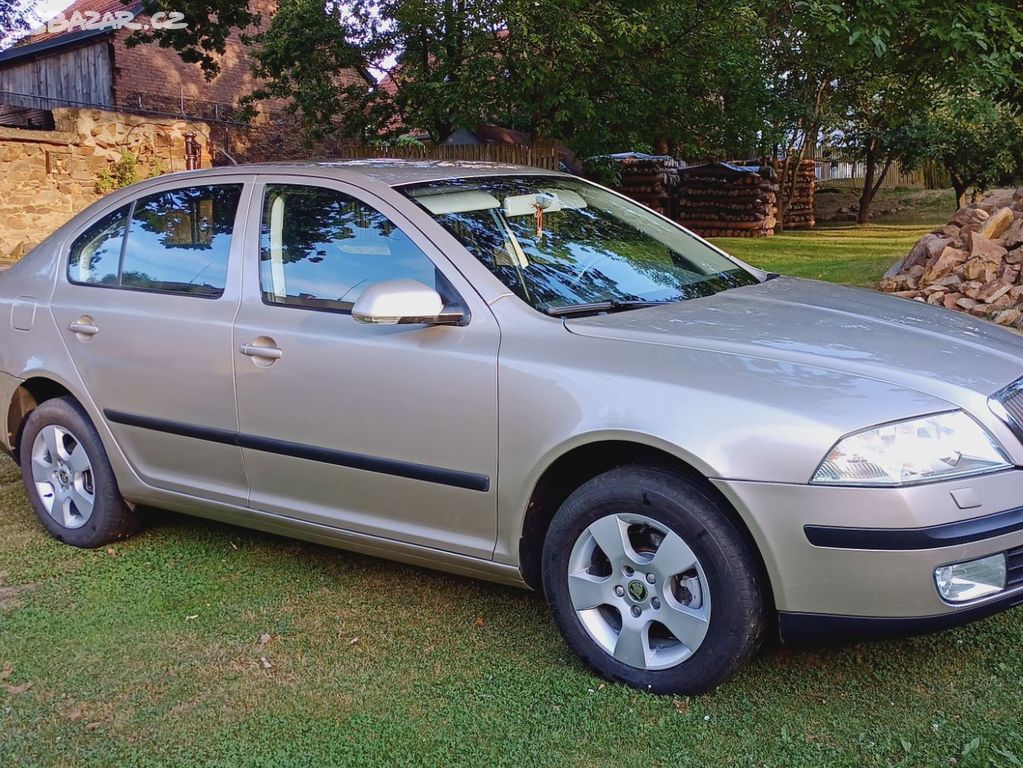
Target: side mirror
[403,302]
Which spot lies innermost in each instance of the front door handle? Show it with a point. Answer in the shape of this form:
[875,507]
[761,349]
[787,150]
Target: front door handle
[266,353]
[84,328]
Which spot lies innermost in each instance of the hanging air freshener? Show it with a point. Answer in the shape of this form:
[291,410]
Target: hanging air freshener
[543,202]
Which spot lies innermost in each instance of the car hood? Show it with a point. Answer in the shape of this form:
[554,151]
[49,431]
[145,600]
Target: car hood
[908,343]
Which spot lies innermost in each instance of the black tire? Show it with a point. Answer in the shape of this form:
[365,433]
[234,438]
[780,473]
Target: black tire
[110,517]
[737,609]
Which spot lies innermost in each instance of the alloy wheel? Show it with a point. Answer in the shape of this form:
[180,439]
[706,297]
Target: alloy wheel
[639,591]
[63,476]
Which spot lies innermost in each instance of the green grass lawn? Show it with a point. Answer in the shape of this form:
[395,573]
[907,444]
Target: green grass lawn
[202,644]
[841,253]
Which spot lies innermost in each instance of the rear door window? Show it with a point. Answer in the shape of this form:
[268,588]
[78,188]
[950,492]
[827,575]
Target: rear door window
[177,241]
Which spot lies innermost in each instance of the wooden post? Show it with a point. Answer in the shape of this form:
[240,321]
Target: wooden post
[192,152]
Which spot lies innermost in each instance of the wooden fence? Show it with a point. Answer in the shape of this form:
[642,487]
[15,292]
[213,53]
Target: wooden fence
[539,155]
[849,173]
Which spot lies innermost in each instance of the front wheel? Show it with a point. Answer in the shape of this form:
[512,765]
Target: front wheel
[651,583]
[69,480]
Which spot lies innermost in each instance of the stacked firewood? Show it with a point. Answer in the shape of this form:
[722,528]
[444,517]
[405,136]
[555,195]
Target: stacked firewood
[972,264]
[723,200]
[650,181]
[800,212]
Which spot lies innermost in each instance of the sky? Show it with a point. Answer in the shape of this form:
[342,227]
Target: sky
[42,10]
[47,8]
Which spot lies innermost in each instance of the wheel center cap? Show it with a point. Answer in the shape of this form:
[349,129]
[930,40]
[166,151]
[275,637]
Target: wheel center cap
[637,591]
[64,476]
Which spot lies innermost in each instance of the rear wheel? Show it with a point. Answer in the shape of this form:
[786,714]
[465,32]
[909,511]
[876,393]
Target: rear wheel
[651,583]
[68,478]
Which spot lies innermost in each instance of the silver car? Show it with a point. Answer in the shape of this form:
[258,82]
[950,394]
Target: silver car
[518,375]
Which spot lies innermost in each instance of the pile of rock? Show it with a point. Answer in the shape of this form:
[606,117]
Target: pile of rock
[972,264]
[725,200]
[650,181]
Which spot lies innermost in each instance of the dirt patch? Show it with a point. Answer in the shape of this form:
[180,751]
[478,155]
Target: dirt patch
[5,676]
[9,595]
[837,203]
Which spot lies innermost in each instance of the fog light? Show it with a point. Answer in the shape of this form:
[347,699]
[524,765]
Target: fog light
[962,582]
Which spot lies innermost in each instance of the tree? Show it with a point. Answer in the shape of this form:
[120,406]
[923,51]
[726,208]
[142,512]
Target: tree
[876,129]
[603,74]
[803,62]
[447,67]
[922,49]
[977,139]
[299,60]
[708,80]
[610,76]
[864,66]
[445,51]
[210,22]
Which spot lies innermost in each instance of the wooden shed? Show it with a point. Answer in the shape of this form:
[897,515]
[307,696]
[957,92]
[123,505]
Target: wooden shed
[73,69]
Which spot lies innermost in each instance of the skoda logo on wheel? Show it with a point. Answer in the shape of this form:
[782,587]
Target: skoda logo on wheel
[637,590]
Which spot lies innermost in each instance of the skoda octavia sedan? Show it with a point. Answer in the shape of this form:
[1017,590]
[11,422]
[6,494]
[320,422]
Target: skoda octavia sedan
[518,375]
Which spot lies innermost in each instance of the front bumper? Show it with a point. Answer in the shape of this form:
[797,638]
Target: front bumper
[871,568]
[799,628]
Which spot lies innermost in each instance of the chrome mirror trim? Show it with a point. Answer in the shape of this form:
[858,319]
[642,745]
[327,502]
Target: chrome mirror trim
[403,302]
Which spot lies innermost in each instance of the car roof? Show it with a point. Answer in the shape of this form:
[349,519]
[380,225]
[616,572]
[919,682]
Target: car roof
[391,172]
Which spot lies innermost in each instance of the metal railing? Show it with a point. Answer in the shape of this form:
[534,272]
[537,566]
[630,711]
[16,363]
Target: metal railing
[14,98]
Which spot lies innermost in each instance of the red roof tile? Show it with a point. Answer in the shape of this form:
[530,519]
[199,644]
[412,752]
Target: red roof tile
[81,6]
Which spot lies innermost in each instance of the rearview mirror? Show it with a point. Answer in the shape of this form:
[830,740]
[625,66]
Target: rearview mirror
[403,302]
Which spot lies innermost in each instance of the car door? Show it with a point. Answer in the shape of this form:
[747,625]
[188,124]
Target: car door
[384,430]
[146,304]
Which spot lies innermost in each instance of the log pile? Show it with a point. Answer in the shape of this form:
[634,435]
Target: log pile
[972,264]
[650,181]
[723,200]
[800,212]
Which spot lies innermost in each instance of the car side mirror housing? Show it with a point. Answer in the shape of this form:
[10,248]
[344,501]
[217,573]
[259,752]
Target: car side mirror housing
[403,302]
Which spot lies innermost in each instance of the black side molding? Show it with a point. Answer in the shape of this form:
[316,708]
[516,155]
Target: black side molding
[818,628]
[931,537]
[429,474]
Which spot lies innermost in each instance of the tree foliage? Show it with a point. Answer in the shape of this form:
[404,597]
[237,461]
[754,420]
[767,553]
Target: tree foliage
[309,82]
[600,74]
[209,23]
[976,138]
[862,68]
[680,76]
[735,79]
[446,64]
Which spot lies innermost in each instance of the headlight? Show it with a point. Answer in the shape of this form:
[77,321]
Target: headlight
[913,451]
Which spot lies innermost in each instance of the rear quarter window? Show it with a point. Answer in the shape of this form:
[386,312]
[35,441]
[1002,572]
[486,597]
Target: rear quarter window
[96,253]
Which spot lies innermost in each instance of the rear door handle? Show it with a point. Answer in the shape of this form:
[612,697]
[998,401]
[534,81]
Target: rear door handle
[266,353]
[83,329]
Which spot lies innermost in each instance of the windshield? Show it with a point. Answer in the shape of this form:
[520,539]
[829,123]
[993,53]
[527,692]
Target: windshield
[558,242]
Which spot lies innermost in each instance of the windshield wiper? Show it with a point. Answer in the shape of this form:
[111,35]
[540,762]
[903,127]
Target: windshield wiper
[612,305]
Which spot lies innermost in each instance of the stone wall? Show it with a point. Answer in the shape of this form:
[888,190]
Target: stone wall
[48,176]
